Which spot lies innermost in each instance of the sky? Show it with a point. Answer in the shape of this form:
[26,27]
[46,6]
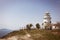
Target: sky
[15,14]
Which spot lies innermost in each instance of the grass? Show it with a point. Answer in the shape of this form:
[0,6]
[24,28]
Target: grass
[37,34]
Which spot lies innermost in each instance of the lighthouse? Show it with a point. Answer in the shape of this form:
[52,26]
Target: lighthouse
[47,21]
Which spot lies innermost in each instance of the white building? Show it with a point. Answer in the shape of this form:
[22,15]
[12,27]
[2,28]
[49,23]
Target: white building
[55,26]
[46,21]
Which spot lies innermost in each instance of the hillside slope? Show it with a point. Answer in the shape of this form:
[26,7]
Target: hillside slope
[34,35]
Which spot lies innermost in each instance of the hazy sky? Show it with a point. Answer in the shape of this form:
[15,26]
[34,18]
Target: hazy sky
[17,13]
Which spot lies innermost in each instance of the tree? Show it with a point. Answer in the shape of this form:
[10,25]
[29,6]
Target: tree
[38,26]
[29,26]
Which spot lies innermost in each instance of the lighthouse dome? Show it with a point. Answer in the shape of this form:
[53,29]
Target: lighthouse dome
[47,15]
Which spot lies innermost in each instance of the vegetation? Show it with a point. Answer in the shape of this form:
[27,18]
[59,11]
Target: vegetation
[38,26]
[29,26]
[37,34]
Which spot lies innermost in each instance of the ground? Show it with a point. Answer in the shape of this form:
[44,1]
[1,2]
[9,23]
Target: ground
[33,34]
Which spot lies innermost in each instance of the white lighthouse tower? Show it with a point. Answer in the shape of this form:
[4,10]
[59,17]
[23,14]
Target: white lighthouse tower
[47,21]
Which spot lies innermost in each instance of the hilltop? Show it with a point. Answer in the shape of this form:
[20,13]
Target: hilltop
[34,34]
